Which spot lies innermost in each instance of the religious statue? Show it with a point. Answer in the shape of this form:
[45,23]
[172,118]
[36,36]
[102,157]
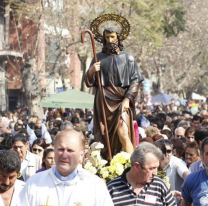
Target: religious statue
[120,78]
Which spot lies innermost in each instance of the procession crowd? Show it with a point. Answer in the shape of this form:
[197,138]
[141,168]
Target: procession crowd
[41,159]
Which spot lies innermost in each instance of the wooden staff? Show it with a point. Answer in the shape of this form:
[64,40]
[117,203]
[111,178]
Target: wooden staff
[100,89]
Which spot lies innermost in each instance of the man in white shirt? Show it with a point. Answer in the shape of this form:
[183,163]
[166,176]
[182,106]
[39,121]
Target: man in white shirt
[30,162]
[10,187]
[65,183]
[176,168]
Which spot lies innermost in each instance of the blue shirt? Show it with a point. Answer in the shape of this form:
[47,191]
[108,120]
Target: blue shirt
[67,178]
[195,188]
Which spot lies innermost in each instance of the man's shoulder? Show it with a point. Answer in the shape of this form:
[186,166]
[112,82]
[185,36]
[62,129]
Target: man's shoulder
[33,156]
[158,181]
[114,181]
[19,183]
[196,166]
[196,175]
[38,177]
[128,55]
[175,161]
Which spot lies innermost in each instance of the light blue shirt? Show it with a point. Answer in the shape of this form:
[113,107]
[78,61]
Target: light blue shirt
[67,178]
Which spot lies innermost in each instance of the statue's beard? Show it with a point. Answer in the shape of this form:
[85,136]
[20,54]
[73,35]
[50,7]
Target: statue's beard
[110,48]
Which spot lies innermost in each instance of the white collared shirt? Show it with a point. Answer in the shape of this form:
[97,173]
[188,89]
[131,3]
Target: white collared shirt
[175,170]
[84,189]
[24,165]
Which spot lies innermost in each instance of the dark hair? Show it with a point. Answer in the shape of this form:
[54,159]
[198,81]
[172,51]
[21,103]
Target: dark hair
[38,133]
[45,153]
[32,125]
[162,116]
[7,141]
[167,132]
[161,146]
[74,120]
[20,137]
[40,142]
[194,146]
[196,118]
[188,131]
[178,145]
[200,134]
[204,142]
[9,161]
[19,126]
[166,142]
[7,135]
[112,29]
[53,131]
[159,122]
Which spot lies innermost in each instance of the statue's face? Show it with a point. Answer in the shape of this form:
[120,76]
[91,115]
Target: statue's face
[111,37]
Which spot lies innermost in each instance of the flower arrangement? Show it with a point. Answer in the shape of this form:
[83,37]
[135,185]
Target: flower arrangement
[94,162]
[96,165]
[162,175]
[118,164]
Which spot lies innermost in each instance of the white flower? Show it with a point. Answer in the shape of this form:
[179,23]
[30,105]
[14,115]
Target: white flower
[105,174]
[119,168]
[102,163]
[88,165]
[92,170]
[95,154]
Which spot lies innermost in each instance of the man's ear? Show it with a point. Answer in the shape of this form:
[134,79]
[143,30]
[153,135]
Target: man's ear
[27,144]
[137,164]
[81,154]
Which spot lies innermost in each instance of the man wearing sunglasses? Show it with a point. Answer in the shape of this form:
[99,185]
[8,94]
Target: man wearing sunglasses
[176,168]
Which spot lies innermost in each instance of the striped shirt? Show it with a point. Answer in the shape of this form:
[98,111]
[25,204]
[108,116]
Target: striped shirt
[122,193]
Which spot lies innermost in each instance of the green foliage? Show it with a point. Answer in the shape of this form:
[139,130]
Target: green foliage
[174,21]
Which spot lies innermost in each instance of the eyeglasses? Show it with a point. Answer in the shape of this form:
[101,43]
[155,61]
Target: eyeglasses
[39,150]
[169,151]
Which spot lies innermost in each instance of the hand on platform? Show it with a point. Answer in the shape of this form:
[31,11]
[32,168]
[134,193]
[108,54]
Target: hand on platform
[125,105]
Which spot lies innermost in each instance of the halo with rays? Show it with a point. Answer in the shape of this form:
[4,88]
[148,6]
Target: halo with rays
[100,23]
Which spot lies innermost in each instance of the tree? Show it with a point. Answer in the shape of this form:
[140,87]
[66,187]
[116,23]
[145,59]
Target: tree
[151,20]
[181,63]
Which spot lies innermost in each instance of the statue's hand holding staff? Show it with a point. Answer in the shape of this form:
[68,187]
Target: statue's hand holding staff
[94,68]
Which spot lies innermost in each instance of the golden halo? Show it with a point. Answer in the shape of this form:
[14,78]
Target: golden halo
[123,23]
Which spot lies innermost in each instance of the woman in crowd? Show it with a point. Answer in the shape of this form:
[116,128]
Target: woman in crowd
[191,153]
[178,148]
[189,134]
[48,160]
[38,147]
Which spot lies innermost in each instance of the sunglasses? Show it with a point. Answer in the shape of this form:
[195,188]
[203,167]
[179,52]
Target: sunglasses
[169,151]
[39,150]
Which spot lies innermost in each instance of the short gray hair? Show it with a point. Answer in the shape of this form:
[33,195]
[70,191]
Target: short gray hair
[179,128]
[183,122]
[144,148]
[66,125]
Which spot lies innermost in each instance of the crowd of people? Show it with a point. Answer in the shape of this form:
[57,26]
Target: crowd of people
[41,159]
